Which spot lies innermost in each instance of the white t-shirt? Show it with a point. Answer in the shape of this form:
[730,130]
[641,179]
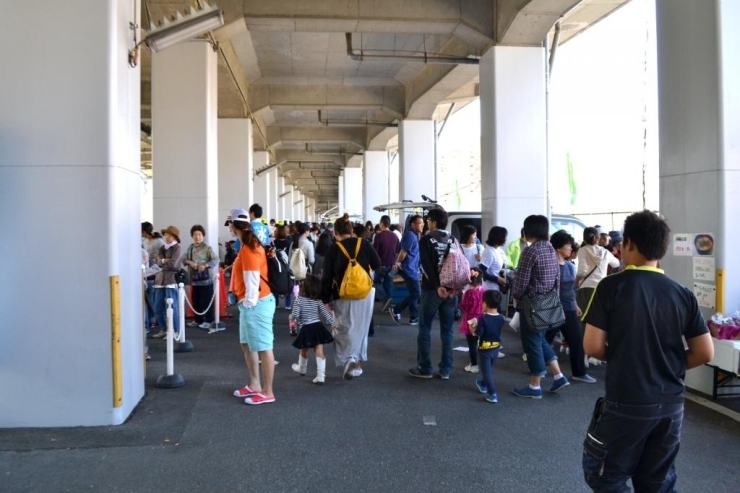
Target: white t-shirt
[471,252]
[493,260]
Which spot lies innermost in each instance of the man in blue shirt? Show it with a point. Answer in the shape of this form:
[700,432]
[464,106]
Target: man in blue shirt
[260,229]
[407,265]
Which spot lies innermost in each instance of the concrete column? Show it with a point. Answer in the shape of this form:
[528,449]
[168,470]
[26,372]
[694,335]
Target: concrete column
[417,174]
[699,111]
[276,196]
[262,183]
[353,190]
[282,188]
[513,136]
[311,210]
[235,168]
[69,177]
[340,196]
[376,183]
[269,208]
[184,139]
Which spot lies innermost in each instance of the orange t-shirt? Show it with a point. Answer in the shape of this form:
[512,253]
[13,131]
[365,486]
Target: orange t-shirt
[250,260]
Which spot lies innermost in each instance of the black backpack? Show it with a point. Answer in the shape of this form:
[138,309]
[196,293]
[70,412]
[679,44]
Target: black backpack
[279,276]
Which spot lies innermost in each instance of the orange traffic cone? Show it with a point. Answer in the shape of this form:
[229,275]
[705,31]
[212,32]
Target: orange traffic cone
[222,295]
[189,313]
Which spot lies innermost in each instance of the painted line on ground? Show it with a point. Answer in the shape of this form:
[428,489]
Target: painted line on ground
[714,406]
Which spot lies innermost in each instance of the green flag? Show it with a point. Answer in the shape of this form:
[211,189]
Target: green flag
[571,181]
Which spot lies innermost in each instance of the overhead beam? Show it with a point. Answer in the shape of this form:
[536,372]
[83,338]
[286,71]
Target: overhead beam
[527,22]
[287,155]
[322,97]
[468,20]
[325,135]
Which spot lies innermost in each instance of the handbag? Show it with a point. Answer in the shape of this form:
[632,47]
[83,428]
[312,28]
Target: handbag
[197,276]
[544,311]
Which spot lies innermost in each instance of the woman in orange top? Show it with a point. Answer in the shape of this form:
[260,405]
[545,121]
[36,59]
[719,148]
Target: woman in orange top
[256,309]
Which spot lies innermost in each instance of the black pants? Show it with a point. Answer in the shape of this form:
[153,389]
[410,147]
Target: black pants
[632,441]
[201,298]
[572,334]
[472,349]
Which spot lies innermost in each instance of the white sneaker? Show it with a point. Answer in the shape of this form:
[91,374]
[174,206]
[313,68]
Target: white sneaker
[192,323]
[593,361]
[357,372]
[501,354]
[472,369]
[585,379]
[205,325]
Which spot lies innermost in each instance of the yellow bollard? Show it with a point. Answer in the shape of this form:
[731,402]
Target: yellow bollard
[719,302]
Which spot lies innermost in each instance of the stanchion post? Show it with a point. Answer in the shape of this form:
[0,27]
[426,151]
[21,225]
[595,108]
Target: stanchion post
[171,380]
[183,345]
[217,326]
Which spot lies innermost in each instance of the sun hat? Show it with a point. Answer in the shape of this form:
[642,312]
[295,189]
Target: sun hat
[173,231]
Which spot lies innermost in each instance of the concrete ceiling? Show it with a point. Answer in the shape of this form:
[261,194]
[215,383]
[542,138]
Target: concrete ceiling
[283,61]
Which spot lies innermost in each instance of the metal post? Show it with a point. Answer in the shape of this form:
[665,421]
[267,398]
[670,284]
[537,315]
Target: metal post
[183,346]
[171,380]
[217,326]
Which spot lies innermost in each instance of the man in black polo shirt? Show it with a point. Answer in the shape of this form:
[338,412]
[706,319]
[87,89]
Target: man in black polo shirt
[636,321]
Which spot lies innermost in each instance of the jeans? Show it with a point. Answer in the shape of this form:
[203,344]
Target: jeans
[150,315]
[539,352]
[160,307]
[637,441]
[486,359]
[572,334]
[201,298]
[412,300]
[431,303]
[384,280]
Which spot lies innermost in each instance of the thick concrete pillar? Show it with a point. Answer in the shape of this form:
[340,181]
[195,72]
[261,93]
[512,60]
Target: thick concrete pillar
[275,196]
[699,121]
[184,139]
[417,173]
[513,136]
[69,176]
[353,191]
[376,177]
[262,182]
[235,168]
[341,209]
[282,188]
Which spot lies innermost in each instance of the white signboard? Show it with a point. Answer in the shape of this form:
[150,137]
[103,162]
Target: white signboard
[683,245]
[704,268]
[705,294]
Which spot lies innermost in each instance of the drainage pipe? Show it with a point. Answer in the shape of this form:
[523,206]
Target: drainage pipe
[408,58]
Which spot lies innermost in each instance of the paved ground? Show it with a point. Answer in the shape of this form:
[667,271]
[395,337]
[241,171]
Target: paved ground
[362,435]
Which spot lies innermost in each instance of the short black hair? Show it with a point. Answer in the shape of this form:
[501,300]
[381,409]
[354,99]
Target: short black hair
[256,209]
[393,227]
[311,287]
[466,232]
[146,227]
[492,298]
[439,216]
[537,227]
[385,221]
[476,280]
[496,236]
[590,236]
[414,217]
[561,238]
[649,233]
[195,228]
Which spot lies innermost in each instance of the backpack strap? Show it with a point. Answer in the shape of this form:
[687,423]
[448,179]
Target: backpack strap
[346,254]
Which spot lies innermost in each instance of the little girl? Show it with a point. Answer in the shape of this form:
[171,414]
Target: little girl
[472,307]
[308,310]
[487,328]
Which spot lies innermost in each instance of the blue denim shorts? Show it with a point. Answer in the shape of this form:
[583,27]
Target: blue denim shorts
[255,324]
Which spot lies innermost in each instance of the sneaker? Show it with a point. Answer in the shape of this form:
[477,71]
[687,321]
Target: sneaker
[160,335]
[414,321]
[501,354]
[492,398]
[386,305]
[528,392]
[357,372]
[288,308]
[443,376]
[205,326]
[396,317]
[585,379]
[349,368]
[213,330]
[258,398]
[593,362]
[559,384]
[481,388]
[147,356]
[472,369]
[192,323]
[417,373]
[245,392]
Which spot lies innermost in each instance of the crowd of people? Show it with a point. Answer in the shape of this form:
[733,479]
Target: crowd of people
[635,320]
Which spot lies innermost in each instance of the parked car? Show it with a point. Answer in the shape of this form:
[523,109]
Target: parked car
[458,219]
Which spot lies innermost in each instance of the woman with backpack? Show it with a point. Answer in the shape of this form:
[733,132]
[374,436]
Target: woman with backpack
[282,244]
[347,283]
[301,253]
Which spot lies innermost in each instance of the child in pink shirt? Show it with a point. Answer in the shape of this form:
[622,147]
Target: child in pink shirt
[472,307]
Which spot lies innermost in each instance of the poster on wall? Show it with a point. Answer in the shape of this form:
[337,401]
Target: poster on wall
[705,294]
[704,268]
[704,244]
[683,245]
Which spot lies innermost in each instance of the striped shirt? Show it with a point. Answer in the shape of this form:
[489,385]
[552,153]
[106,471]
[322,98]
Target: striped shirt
[538,270]
[309,311]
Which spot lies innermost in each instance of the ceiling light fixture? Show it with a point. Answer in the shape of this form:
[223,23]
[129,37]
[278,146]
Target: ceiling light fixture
[179,28]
